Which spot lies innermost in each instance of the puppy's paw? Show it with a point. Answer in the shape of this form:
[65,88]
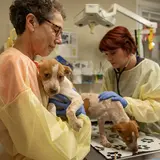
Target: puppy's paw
[52,108]
[106,144]
[77,125]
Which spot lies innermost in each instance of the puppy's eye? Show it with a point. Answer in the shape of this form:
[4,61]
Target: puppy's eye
[119,131]
[47,75]
[60,77]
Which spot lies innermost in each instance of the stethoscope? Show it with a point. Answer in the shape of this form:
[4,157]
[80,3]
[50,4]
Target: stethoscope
[118,75]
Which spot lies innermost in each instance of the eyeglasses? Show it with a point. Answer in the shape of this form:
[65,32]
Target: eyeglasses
[55,28]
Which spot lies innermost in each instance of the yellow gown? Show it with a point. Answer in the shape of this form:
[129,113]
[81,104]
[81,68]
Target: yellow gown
[140,86]
[27,130]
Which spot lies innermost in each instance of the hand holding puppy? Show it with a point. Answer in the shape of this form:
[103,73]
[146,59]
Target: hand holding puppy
[63,102]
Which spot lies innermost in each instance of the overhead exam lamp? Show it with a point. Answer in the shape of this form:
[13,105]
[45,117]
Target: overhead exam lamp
[93,15]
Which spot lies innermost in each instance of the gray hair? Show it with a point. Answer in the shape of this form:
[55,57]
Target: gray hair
[40,8]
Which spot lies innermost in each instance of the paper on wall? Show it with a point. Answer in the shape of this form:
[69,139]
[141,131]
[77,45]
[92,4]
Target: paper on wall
[68,48]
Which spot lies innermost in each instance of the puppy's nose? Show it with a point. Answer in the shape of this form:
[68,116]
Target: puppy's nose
[53,91]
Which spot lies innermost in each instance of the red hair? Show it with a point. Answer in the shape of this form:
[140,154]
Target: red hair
[118,37]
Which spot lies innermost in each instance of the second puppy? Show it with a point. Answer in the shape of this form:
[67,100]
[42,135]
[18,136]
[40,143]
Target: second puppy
[113,112]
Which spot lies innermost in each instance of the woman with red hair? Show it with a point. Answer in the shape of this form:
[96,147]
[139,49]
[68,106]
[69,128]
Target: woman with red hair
[132,80]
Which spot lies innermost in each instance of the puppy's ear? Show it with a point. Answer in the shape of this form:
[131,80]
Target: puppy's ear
[67,70]
[136,124]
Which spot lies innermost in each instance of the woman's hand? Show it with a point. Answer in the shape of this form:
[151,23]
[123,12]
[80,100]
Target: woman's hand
[63,103]
[114,97]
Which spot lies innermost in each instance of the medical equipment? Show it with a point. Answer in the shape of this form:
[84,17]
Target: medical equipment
[93,15]
[63,61]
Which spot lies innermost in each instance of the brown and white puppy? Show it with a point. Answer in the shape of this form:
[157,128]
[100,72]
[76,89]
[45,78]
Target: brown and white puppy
[108,110]
[53,77]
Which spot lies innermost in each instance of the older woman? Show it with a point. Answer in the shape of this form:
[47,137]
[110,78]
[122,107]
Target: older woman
[27,129]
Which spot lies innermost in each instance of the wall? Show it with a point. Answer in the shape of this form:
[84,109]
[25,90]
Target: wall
[4,23]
